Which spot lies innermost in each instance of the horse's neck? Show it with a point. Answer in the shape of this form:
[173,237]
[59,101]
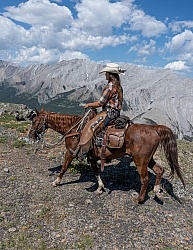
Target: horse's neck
[62,123]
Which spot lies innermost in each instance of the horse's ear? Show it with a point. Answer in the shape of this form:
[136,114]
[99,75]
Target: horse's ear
[42,110]
[37,112]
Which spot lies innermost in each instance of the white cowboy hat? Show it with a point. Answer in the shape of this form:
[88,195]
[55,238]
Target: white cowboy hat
[113,68]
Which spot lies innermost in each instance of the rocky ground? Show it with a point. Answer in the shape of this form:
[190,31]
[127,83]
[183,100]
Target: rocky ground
[36,216]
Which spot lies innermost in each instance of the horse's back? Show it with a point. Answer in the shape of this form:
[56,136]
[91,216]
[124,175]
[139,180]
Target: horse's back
[149,134]
[142,130]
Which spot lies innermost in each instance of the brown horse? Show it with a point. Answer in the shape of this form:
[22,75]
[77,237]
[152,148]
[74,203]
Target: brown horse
[141,142]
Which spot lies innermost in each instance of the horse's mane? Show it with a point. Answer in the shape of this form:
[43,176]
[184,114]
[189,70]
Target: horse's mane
[61,122]
[61,116]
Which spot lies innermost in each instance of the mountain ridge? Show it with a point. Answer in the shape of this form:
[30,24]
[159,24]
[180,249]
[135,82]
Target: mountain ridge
[150,96]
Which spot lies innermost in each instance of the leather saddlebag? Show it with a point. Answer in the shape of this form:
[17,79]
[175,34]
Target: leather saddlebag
[115,137]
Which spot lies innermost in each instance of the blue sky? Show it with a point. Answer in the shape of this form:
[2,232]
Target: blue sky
[149,33]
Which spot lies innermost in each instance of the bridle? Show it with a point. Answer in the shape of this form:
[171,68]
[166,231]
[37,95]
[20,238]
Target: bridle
[42,128]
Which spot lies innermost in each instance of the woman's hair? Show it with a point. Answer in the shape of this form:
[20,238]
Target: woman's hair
[114,78]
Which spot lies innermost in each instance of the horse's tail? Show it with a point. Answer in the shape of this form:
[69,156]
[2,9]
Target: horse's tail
[169,144]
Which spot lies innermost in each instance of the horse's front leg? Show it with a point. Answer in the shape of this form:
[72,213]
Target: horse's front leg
[67,160]
[159,171]
[101,186]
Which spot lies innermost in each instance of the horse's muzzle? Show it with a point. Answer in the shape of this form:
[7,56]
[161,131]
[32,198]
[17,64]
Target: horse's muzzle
[33,136]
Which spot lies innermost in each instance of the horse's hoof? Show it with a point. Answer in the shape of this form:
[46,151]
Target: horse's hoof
[54,184]
[157,189]
[99,191]
[135,200]
[159,196]
[158,199]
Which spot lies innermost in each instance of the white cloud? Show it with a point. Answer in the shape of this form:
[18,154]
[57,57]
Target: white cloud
[178,65]
[60,31]
[12,36]
[144,48]
[68,55]
[148,25]
[100,17]
[178,26]
[79,40]
[181,48]
[182,42]
[40,13]
[35,55]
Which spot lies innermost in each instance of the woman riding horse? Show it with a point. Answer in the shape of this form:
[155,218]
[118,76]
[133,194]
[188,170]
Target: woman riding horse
[141,143]
[141,140]
[111,103]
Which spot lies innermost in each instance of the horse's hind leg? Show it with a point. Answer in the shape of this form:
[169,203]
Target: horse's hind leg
[144,178]
[67,160]
[159,171]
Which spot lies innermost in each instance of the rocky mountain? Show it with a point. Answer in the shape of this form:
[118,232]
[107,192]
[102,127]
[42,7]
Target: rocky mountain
[150,96]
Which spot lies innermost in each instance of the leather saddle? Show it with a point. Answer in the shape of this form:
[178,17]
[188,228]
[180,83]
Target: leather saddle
[114,135]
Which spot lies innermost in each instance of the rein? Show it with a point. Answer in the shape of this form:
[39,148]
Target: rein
[61,139]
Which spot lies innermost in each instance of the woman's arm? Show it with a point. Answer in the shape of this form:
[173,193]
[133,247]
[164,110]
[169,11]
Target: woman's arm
[92,105]
[102,101]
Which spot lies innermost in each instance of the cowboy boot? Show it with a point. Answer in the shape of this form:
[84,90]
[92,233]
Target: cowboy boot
[74,152]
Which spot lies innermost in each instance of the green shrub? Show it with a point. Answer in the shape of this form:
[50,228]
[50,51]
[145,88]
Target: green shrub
[9,121]
[1,218]
[85,242]
[18,144]
[6,118]
[3,139]
[79,167]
